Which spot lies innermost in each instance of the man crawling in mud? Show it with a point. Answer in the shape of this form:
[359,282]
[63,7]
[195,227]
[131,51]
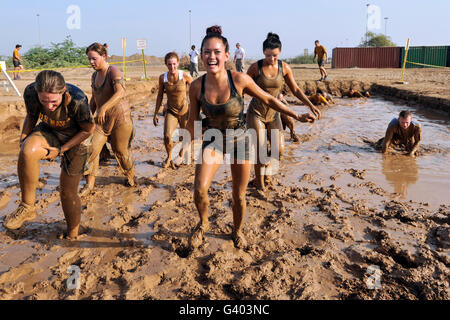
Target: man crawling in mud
[356,94]
[402,133]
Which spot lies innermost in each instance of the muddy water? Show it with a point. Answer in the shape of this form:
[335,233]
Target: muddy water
[337,144]
[330,206]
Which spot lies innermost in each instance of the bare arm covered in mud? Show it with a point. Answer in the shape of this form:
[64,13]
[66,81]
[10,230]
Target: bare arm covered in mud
[289,78]
[92,105]
[187,77]
[159,99]
[194,107]
[28,125]
[417,139]
[248,86]
[253,71]
[387,139]
[87,129]
[119,94]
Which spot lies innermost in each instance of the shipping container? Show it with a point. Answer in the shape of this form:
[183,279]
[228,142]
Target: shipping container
[368,57]
[448,56]
[433,55]
[436,56]
[415,54]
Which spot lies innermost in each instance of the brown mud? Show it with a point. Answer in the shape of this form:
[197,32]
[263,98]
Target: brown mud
[336,209]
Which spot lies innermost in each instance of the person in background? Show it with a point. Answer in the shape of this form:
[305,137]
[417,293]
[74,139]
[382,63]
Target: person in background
[107,50]
[356,94]
[270,74]
[17,62]
[175,84]
[112,117]
[239,55]
[193,67]
[322,98]
[321,53]
[402,133]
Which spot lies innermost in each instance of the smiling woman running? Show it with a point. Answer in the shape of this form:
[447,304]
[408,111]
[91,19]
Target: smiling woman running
[113,117]
[219,95]
[175,84]
[270,74]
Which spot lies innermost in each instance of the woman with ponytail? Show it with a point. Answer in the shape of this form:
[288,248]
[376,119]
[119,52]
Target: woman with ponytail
[64,131]
[219,95]
[113,116]
[270,74]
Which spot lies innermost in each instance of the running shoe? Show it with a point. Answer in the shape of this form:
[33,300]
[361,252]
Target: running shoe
[23,213]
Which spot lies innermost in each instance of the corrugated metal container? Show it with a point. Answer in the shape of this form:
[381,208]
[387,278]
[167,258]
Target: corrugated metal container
[448,56]
[415,54]
[435,55]
[370,57]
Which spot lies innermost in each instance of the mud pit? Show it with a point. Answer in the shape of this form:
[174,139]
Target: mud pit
[336,210]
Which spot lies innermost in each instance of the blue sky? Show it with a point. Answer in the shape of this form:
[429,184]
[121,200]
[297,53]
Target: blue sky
[165,24]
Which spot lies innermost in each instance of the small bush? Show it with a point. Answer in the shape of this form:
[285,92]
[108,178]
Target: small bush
[302,59]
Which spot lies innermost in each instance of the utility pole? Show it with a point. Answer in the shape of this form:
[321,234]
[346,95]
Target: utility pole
[367,21]
[385,25]
[39,30]
[190,30]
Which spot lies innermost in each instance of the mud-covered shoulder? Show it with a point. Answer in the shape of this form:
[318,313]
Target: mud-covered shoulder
[76,93]
[79,105]
[115,73]
[253,70]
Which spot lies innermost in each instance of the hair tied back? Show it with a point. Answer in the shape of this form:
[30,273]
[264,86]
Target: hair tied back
[214,30]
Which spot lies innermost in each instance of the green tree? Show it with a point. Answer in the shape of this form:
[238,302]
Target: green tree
[377,40]
[59,55]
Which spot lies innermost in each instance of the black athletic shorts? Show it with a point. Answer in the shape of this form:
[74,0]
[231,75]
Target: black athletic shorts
[17,63]
[321,63]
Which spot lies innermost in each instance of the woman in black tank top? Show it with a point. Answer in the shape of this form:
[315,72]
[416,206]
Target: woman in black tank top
[219,95]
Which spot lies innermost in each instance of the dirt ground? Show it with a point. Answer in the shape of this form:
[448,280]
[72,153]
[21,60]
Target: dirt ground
[334,223]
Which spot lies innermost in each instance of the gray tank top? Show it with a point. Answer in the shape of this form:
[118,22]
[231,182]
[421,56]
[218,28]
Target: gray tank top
[228,115]
[273,86]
